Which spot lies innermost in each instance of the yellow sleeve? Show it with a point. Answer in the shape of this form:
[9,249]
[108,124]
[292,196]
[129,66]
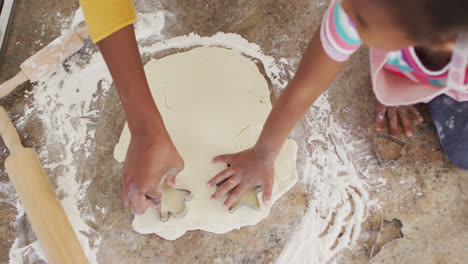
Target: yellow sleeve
[104,17]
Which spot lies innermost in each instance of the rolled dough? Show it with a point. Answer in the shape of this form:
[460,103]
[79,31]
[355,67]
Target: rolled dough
[213,101]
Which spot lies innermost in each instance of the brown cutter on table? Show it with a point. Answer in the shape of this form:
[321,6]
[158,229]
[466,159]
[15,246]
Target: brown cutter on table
[166,209]
[396,140]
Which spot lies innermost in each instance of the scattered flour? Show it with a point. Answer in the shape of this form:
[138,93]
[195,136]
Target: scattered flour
[66,102]
[337,173]
[149,26]
[78,19]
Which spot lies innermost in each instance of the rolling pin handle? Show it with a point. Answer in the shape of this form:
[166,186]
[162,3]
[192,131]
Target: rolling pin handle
[83,33]
[8,132]
[7,87]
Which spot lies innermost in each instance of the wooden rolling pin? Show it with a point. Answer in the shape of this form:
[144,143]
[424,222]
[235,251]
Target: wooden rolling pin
[46,59]
[44,211]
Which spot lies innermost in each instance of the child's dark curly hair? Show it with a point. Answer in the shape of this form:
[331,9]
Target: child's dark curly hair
[431,21]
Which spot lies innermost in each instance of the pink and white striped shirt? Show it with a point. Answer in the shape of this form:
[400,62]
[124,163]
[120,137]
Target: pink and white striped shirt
[340,40]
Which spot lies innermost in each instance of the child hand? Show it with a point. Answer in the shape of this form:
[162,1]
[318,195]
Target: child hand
[247,169]
[148,163]
[392,114]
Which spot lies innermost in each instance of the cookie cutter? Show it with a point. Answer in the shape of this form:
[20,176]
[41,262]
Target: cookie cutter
[394,139]
[253,192]
[164,217]
[240,202]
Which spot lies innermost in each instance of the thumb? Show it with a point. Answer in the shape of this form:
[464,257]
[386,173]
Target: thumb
[154,195]
[267,190]
[138,203]
[170,177]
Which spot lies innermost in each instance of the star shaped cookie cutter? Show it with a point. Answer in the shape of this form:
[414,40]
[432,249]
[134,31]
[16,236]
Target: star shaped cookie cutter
[173,203]
[249,199]
[394,139]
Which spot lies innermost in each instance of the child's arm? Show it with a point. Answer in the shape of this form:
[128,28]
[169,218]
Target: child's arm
[255,166]
[151,156]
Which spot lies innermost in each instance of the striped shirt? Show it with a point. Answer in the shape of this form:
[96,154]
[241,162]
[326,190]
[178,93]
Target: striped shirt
[340,40]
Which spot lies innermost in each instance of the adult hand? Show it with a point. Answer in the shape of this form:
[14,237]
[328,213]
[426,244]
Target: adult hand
[149,162]
[392,114]
[151,156]
[246,170]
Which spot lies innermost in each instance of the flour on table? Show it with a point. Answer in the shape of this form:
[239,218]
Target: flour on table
[213,101]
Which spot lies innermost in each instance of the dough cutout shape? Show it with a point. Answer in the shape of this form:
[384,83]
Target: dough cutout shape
[173,202]
[213,101]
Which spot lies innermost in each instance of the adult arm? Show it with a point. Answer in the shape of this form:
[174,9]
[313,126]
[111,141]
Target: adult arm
[151,156]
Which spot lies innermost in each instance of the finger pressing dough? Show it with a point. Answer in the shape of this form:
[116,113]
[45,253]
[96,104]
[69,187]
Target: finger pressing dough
[213,101]
[249,198]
